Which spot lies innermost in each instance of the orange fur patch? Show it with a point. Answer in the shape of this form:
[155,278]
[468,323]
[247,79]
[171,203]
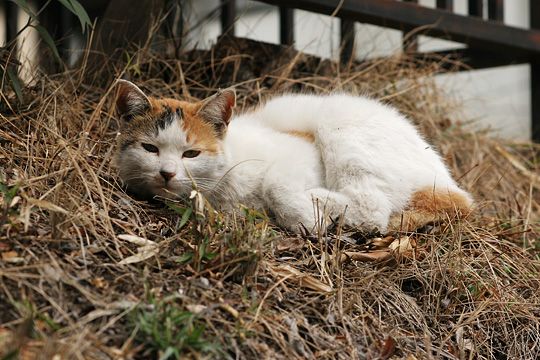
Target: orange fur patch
[198,131]
[436,201]
[303,135]
[429,205]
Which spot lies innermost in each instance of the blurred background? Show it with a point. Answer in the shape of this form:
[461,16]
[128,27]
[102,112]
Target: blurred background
[498,97]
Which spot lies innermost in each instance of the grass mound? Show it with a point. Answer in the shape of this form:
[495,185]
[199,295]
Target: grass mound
[88,272]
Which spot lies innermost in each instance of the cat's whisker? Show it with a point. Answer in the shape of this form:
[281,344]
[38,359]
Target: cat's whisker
[230,193]
[138,177]
[220,180]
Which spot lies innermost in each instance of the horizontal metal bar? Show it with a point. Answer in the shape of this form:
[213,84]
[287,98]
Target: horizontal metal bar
[475,32]
[468,59]
[459,60]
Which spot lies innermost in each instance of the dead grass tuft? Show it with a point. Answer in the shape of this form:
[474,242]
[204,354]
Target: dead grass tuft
[198,283]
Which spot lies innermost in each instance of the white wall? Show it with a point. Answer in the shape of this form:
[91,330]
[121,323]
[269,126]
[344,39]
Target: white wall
[498,97]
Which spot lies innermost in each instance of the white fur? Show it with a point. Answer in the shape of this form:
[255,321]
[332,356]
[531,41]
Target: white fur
[365,163]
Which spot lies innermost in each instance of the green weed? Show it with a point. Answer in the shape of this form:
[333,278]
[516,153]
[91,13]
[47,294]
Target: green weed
[169,331]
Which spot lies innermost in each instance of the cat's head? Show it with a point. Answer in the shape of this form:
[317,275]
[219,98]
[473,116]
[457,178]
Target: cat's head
[167,145]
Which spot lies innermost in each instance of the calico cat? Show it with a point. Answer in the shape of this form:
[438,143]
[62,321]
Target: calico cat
[352,157]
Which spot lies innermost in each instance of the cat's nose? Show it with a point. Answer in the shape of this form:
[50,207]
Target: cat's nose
[167,175]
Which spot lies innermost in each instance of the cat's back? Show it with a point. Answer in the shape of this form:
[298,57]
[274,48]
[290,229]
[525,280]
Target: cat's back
[308,112]
[375,136]
[368,125]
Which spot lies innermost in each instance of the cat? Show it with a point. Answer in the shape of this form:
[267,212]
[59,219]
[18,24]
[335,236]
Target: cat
[351,157]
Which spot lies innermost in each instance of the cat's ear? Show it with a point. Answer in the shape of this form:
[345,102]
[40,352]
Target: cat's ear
[218,109]
[131,101]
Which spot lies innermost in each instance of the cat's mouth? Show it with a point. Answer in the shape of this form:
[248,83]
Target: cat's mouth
[160,184]
[167,192]
[170,189]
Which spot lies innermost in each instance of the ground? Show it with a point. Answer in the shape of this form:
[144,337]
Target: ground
[87,272]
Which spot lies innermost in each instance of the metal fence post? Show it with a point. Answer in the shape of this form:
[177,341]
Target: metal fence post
[496,10]
[347,40]
[228,16]
[286,25]
[11,12]
[445,4]
[476,8]
[409,43]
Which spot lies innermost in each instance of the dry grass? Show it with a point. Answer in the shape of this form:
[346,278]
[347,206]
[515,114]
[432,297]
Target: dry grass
[221,287]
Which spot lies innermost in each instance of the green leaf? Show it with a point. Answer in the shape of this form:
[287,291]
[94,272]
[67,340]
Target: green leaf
[185,212]
[169,352]
[185,258]
[82,15]
[10,194]
[53,325]
[78,10]
[209,256]
[48,40]
[204,254]
[15,83]
[177,209]
[185,218]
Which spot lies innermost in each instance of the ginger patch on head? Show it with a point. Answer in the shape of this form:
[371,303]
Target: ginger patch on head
[198,132]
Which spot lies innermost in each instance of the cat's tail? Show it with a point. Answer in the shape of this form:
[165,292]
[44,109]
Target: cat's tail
[431,205]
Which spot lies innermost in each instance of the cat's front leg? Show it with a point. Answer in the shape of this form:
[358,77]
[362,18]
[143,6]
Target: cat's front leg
[289,207]
[312,209]
[294,194]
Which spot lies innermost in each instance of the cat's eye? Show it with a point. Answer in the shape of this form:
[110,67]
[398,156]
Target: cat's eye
[191,153]
[150,148]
